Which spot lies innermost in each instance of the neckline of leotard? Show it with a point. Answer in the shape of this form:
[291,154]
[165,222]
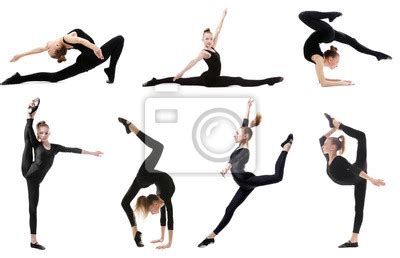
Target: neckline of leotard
[66,42]
[214,52]
[333,160]
[46,148]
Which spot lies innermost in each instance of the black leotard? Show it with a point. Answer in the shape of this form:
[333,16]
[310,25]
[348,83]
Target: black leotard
[148,175]
[247,181]
[324,33]
[86,61]
[344,173]
[212,77]
[35,170]
[81,34]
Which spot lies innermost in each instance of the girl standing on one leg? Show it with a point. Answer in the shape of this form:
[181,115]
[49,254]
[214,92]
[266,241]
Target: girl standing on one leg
[247,181]
[344,173]
[37,159]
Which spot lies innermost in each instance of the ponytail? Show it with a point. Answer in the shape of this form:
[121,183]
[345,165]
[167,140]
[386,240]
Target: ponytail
[256,121]
[143,204]
[332,52]
[340,143]
[343,144]
[61,59]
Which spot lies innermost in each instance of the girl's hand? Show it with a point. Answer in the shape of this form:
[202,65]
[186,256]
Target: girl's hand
[164,246]
[250,102]
[347,83]
[97,51]
[160,240]
[179,75]
[225,12]
[15,58]
[377,182]
[97,153]
[336,123]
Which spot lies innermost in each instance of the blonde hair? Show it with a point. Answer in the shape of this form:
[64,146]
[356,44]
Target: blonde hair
[143,204]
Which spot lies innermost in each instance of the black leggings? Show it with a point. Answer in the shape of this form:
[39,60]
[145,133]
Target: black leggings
[327,34]
[33,186]
[219,81]
[247,183]
[84,62]
[361,162]
[146,176]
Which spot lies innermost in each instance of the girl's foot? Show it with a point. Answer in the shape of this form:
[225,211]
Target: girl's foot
[289,139]
[138,239]
[334,15]
[330,120]
[206,242]
[126,123]
[12,80]
[348,244]
[110,75]
[33,106]
[150,83]
[381,56]
[273,80]
[37,246]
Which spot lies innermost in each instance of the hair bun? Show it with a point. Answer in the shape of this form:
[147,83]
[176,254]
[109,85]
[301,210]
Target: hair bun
[61,59]
[333,48]
[207,30]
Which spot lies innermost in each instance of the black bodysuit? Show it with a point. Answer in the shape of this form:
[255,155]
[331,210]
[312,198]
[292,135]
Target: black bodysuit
[324,33]
[212,77]
[86,61]
[148,175]
[247,181]
[344,173]
[34,170]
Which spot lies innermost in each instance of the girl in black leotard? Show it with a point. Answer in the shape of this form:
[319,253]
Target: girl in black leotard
[344,173]
[324,33]
[146,176]
[212,77]
[247,181]
[90,57]
[35,167]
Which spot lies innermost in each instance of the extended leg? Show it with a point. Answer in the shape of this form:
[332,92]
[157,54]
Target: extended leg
[237,200]
[155,155]
[190,81]
[255,181]
[361,160]
[346,39]
[224,81]
[65,73]
[313,19]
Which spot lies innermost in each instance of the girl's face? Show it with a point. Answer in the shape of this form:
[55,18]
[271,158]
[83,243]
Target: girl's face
[43,133]
[155,207]
[240,136]
[332,62]
[208,39]
[328,146]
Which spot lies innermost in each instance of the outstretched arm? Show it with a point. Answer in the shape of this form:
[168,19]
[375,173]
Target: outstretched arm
[78,40]
[218,30]
[30,52]
[94,153]
[323,81]
[376,182]
[192,63]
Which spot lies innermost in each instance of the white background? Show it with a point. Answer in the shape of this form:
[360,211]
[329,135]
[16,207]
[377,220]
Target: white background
[306,214]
